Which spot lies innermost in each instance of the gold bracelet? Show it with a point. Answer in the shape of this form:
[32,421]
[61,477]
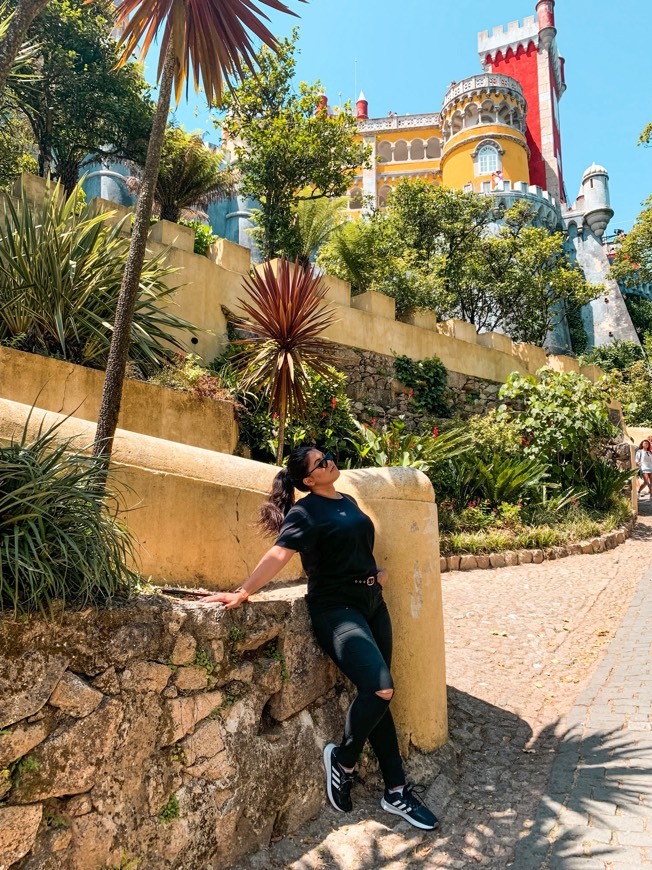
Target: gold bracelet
[244,592]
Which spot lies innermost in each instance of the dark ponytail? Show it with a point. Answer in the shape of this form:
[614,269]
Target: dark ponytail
[281,498]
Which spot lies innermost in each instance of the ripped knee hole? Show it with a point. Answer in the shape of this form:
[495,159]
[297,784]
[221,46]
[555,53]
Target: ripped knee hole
[385,694]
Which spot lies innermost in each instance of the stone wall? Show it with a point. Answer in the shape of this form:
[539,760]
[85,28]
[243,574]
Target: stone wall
[170,733]
[378,395]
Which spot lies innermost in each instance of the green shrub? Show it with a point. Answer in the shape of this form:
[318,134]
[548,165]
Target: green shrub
[59,536]
[186,374]
[61,268]
[508,479]
[204,236]
[618,355]
[427,379]
[605,484]
[392,445]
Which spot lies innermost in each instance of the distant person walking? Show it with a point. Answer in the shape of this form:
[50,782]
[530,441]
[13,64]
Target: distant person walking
[349,618]
[644,463]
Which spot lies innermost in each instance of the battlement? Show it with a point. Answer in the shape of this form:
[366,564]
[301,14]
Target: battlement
[399,122]
[502,38]
[489,82]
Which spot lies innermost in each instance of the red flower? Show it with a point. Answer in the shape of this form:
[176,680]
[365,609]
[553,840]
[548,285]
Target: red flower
[373,421]
[410,393]
[435,431]
[323,413]
[274,416]
[333,402]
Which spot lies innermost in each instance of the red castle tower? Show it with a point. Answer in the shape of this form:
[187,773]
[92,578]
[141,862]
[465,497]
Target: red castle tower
[528,53]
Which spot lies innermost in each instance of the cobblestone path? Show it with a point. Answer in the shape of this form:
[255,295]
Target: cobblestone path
[542,678]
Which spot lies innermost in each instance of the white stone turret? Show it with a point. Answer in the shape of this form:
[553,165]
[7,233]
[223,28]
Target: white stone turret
[597,205]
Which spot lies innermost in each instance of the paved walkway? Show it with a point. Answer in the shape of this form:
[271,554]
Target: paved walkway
[597,810]
[530,651]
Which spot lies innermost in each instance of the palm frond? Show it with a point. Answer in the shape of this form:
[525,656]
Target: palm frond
[317,219]
[213,37]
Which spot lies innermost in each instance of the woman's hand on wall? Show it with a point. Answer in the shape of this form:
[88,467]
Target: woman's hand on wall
[382,576]
[228,599]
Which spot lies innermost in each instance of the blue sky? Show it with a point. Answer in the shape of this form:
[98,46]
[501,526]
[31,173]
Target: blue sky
[407,53]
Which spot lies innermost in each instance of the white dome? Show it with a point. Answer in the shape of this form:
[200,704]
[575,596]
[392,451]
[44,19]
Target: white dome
[594,169]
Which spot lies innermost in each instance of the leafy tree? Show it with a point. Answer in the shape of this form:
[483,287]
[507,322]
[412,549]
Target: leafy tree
[437,248]
[16,145]
[633,261]
[619,355]
[215,42]
[80,104]
[316,220]
[192,175]
[640,310]
[287,148]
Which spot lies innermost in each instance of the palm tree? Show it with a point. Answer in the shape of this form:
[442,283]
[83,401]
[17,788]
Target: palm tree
[316,220]
[13,30]
[286,317]
[192,175]
[215,38]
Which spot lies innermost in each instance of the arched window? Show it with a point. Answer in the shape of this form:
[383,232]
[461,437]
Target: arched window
[488,160]
[457,122]
[433,149]
[401,150]
[355,199]
[384,152]
[471,115]
[416,150]
[383,195]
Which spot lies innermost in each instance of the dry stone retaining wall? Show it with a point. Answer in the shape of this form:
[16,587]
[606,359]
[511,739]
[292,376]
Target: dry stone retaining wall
[377,394]
[170,733]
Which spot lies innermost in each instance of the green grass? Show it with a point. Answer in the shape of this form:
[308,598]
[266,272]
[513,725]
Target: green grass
[572,527]
[171,809]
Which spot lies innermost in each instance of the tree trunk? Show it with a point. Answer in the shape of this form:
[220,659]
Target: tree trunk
[119,351]
[282,414]
[24,13]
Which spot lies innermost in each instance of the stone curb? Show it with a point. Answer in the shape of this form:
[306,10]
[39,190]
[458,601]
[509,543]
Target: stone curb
[508,558]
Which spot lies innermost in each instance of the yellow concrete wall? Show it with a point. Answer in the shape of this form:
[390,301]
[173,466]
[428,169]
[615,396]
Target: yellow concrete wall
[457,163]
[195,522]
[158,411]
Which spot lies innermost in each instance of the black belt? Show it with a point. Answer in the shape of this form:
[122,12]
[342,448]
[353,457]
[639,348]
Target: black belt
[368,581]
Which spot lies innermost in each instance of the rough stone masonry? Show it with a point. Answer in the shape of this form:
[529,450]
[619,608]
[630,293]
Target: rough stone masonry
[171,733]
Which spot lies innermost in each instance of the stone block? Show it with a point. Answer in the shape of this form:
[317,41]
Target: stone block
[483,561]
[593,373]
[453,563]
[21,739]
[598,545]
[375,303]
[537,556]
[621,537]
[586,547]
[185,713]
[468,563]
[71,761]
[145,677]
[206,742]
[562,363]
[511,558]
[611,540]
[33,186]
[574,549]
[497,560]
[191,679]
[337,291]
[443,564]
[309,674]
[173,235]
[422,319]
[228,255]
[459,329]
[496,341]
[107,682]
[532,357]
[525,557]
[26,683]
[116,213]
[74,697]
[185,649]
[92,843]
[18,829]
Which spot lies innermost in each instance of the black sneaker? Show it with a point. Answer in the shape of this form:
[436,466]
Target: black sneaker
[409,806]
[338,781]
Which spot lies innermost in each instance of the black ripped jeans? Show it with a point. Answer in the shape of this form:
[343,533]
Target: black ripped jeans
[357,634]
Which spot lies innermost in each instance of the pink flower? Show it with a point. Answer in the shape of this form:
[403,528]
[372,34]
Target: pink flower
[435,431]
[410,393]
[274,416]
[373,421]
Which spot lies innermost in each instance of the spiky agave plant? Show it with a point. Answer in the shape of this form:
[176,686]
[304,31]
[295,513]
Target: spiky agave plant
[60,539]
[286,316]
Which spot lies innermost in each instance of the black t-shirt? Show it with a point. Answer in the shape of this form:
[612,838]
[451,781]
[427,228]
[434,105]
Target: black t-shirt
[335,540]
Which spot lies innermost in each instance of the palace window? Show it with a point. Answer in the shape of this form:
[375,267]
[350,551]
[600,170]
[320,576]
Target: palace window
[488,160]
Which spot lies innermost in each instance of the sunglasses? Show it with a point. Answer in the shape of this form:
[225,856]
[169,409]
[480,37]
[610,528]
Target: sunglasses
[328,457]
